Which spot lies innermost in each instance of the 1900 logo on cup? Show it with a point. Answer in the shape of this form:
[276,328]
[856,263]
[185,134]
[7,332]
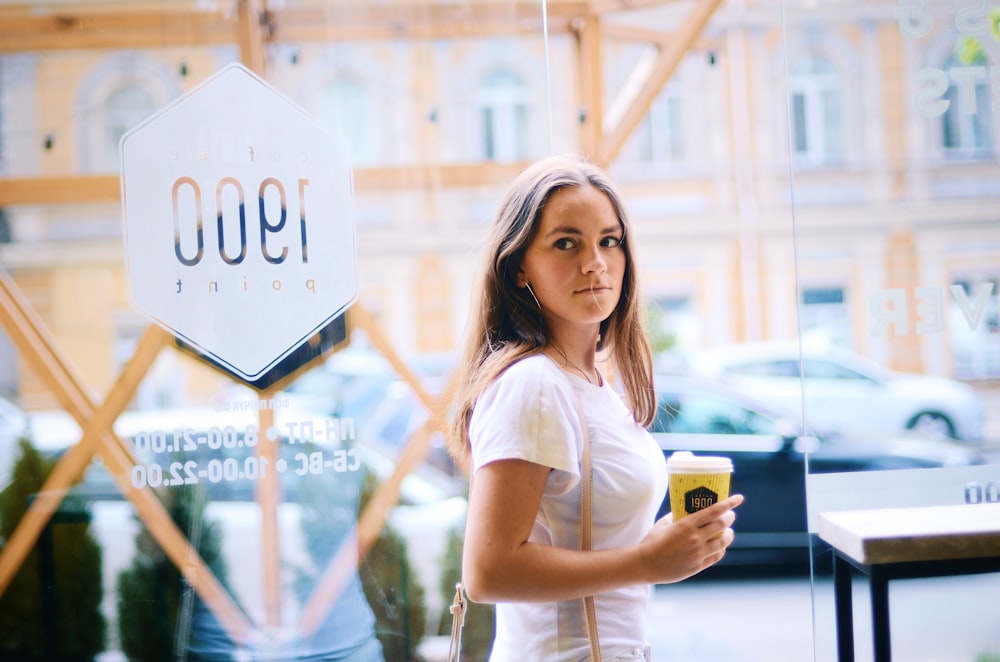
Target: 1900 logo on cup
[699,499]
[239,228]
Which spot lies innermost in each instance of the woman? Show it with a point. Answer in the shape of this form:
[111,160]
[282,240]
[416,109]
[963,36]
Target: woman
[559,288]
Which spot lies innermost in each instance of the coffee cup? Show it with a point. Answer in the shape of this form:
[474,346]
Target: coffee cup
[697,481]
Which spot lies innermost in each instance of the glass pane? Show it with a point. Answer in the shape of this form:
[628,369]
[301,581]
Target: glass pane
[275,362]
[276,486]
[800,123]
[891,391]
[832,122]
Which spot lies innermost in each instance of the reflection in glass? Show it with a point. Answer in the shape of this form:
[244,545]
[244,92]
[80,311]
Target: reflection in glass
[126,107]
[504,117]
[817,132]
[346,108]
[967,124]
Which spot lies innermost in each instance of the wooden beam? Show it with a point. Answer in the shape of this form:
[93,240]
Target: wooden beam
[591,83]
[663,69]
[459,175]
[602,7]
[377,31]
[26,28]
[634,33]
[268,493]
[95,425]
[70,189]
[31,30]
[250,35]
[56,190]
[36,345]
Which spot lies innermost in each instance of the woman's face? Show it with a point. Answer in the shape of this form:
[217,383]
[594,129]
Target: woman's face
[575,263]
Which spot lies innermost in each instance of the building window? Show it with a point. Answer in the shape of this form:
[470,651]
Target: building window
[662,135]
[967,124]
[816,117]
[346,109]
[125,108]
[3,131]
[504,117]
[6,235]
[823,312]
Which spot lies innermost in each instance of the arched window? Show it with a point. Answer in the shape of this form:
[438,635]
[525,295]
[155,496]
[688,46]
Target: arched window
[967,124]
[661,137]
[346,109]
[125,108]
[115,96]
[504,112]
[816,116]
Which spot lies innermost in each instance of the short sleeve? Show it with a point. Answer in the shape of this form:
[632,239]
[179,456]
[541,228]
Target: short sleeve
[529,413]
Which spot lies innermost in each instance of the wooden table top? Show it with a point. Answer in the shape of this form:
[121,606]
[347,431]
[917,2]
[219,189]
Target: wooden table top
[896,535]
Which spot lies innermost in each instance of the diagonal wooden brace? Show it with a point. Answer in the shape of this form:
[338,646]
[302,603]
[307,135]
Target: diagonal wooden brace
[372,519]
[35,344]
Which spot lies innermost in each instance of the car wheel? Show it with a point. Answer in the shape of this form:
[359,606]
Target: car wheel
[932,423]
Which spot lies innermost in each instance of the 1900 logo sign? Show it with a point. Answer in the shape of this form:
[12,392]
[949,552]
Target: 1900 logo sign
[239,228]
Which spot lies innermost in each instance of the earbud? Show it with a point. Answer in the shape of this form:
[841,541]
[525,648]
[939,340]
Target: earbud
[532,293]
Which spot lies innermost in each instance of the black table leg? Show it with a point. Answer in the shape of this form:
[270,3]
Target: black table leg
[844,609]
[879,586]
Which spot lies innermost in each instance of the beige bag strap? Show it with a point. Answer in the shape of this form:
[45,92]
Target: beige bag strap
[460,603]
[586,517]
[457,609]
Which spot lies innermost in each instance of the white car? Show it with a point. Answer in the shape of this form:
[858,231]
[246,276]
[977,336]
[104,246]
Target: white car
[845,392]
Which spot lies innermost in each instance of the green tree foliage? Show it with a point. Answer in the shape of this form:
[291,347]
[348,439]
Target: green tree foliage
[159,615]
[479,630]
[393,590]
[396,596]
[52,607]
[660,340]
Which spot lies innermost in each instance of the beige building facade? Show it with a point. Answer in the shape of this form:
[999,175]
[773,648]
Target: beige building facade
[868,187]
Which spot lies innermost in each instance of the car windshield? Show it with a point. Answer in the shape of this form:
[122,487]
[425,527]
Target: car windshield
[766,368]
[703,413]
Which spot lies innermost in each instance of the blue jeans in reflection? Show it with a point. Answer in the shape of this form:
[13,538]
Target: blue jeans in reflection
[347,635]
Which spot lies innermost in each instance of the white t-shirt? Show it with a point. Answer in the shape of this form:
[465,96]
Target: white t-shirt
[529,413]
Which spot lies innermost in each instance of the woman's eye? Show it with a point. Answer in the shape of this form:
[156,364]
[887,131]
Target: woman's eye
[564,244]
[611,242]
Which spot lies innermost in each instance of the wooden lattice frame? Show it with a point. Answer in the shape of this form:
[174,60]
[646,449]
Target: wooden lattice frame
[252,26]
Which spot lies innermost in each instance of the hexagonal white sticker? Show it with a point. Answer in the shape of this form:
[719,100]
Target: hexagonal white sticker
[239,221]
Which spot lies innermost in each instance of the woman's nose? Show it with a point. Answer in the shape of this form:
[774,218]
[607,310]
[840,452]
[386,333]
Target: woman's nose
[593,261]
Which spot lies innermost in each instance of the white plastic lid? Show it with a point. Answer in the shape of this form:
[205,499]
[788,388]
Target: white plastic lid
[686,462]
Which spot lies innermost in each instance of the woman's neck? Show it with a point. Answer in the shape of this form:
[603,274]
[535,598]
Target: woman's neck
[581,362]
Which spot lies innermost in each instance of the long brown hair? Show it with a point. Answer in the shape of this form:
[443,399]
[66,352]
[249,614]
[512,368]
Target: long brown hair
[506,324]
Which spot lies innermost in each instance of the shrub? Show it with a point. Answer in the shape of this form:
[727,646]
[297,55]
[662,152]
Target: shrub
[152,594]
[396,597]
[58,617]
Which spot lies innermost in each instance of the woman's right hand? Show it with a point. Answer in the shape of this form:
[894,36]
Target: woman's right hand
[673,551]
